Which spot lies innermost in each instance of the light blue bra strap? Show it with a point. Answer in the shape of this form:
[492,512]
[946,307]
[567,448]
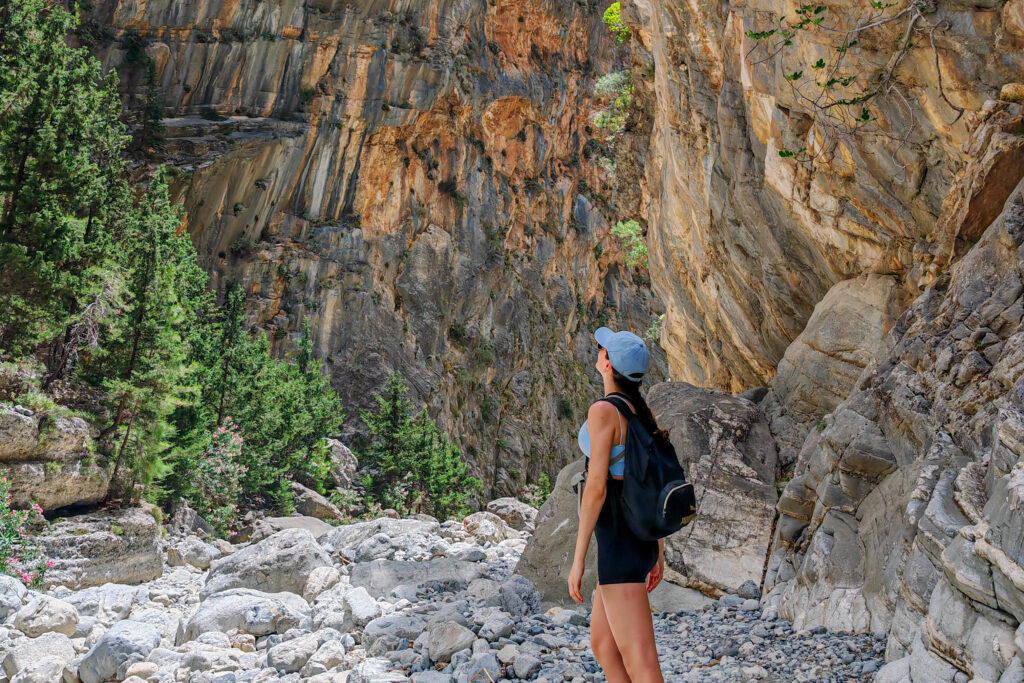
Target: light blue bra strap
[622,432]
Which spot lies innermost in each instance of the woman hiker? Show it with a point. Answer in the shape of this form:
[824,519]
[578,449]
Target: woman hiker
[621,628]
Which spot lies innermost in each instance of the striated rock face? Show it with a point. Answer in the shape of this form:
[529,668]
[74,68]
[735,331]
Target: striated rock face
[904,513]
[411,181]
[50,460]
[744,243]
[820,368]
[727,451]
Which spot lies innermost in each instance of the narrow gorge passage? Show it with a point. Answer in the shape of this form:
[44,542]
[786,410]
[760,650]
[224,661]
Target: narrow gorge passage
[297,314]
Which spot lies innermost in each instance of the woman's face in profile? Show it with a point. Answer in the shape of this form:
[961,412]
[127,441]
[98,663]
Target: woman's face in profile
[601,357]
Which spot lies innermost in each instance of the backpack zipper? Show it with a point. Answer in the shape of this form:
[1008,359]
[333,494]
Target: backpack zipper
[664,508]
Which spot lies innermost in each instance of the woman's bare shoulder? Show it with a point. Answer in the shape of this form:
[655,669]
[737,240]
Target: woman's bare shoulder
[601,411]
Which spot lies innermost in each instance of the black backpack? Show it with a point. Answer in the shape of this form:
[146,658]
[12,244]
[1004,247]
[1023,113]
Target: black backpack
[656,499]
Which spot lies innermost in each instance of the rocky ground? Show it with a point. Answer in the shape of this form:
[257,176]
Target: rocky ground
[382,600]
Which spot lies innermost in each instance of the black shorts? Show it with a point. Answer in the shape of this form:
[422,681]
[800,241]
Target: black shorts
[621,556]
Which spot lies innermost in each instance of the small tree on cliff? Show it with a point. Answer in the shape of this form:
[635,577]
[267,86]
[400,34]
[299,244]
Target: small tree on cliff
[613,20]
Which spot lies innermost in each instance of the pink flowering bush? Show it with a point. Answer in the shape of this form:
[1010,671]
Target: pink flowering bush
[535,494]
[19,555]
[215,475]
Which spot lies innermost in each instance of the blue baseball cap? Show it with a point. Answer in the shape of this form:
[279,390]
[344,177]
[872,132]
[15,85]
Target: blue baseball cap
[626,352]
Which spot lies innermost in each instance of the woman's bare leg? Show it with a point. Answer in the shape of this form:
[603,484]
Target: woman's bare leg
[603,643]
[633,630]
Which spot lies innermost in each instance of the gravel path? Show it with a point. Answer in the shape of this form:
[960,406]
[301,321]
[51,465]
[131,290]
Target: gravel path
[725,643]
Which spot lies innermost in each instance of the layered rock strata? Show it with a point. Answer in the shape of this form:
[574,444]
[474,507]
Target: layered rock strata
[822,365]
[744,241]
[94,549]
[903,515]
[50,459]
[412,182]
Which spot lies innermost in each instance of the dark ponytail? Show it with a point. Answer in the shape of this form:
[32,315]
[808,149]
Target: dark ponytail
[631,390]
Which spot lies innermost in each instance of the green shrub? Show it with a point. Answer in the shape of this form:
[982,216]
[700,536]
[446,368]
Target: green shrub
[213,483]
[535,494]
[632,237]
[458,335]
[653,333]
[565,410]
[613,20]
[484,353]
[36,401]
[242,245]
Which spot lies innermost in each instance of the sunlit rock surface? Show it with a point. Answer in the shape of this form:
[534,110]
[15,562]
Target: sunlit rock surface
[744,243]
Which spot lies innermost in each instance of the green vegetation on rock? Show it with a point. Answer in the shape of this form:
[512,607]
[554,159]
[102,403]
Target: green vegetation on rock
[20,557]
[632,237]
[613,20]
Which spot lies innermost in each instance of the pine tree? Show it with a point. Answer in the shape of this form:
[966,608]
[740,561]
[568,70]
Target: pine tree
[60,141]
[143,366]
[390,429]
[414,466]
[284,408]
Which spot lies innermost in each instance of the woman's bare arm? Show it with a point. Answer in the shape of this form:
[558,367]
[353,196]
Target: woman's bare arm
[601,421]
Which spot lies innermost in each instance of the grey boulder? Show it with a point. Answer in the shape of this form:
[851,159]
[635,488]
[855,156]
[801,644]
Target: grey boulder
[43,614]
[385,633]
[279,563]
[30,650]
[447,638]
[124,644]
[519,597]
[247,610]
[380,577]
[291,655]
[193,551]
[514,513]
[12,593]
[310,503]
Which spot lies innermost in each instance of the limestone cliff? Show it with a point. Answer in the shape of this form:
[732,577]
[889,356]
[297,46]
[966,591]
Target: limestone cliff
[904,512]
[745,242]
[410,178]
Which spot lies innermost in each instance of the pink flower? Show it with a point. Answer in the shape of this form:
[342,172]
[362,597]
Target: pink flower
[21,529]
[49,563]
[38,508]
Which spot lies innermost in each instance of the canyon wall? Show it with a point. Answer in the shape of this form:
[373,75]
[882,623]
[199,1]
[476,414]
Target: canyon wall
[409,178]
[871,276]
[745,242]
